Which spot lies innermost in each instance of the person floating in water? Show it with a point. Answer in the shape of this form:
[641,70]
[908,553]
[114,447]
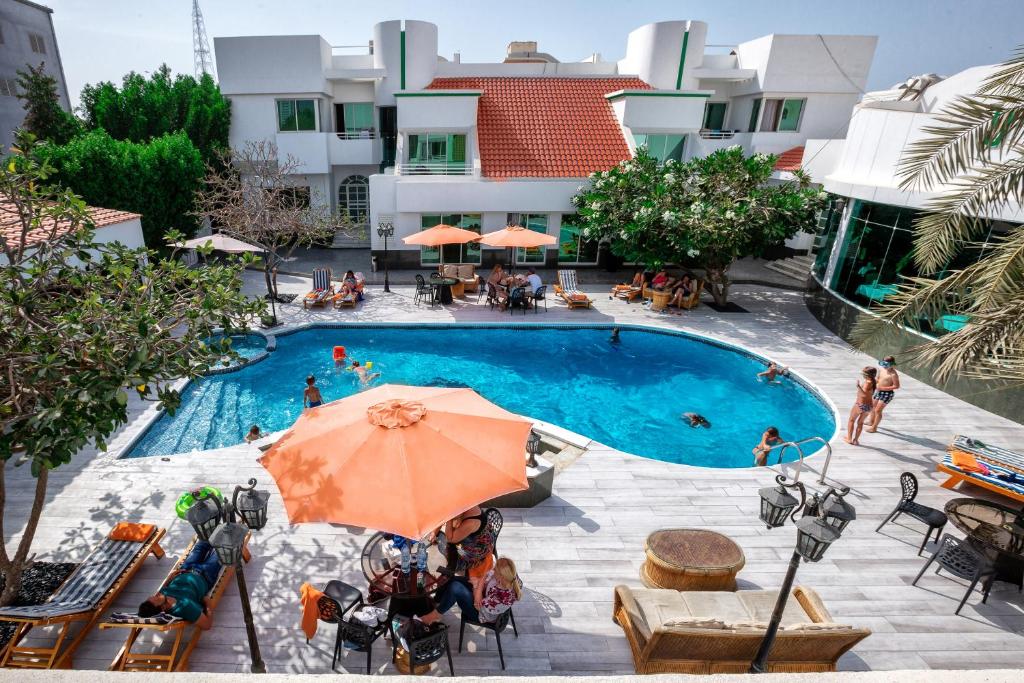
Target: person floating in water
[696,420]
[311,396]
[254,434]
[774,370]
[364,376]
[614,339]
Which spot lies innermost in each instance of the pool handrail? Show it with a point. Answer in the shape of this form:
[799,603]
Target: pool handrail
[796,444]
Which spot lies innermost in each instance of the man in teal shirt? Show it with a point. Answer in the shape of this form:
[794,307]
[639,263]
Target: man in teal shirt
[184,596]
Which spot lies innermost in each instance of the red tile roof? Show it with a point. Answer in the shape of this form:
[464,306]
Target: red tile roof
[10,224]
[790,160]
[546,127]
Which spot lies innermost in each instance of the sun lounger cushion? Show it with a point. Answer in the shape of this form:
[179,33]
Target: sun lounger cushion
[990,478]
[131,531]
[161,619]
[87,585]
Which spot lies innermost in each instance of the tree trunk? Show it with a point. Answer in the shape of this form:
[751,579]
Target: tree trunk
[15,568]
[718,279]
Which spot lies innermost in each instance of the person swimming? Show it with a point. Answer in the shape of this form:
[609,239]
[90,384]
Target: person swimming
[254,434]
[696,420]
[769,439]
[364,376]
[311,395]
[614,339]
[774,370]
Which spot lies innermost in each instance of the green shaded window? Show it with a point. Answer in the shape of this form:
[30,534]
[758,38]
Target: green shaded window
[662,147]
[829,220]
[453,253]
[755,110]
[538,222]
[296,115]
[790,118]
[714,115]
[573,247]
[357,118]
[437,148]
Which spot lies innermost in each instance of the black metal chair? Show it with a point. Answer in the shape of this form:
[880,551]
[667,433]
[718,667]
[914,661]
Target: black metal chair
[960,559]
[498,625]
[425,649]
[339,599]
[540,295]
[357,637]
[492,295]
[517,298]
[935,519]
[423,290]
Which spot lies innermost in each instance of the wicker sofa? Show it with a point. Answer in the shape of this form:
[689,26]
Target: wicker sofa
[465,273]
[705,632]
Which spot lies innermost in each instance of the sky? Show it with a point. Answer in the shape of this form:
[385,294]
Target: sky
[104,39]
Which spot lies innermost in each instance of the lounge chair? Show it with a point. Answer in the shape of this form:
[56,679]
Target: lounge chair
[627,292]
[181,647]
[322,288]
[81,599]
[706,632]
[999,461]
[570,291]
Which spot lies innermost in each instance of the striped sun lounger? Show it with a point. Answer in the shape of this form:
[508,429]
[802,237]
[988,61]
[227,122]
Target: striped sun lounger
[989,453]
[998,460]
[322,288]
[82,597]
[569,290]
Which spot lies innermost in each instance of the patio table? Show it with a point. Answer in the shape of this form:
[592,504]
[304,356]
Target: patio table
[994,529]
[444,285]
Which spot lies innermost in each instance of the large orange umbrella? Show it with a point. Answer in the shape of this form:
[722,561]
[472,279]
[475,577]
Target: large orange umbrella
[398,458]
[516,236]
[440,235]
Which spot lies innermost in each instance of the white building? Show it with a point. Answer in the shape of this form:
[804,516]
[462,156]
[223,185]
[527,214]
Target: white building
[404,136]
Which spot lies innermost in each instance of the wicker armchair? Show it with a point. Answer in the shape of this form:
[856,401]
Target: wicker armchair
[705,632]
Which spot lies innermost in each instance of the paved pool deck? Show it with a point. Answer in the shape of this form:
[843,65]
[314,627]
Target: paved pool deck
[589,536]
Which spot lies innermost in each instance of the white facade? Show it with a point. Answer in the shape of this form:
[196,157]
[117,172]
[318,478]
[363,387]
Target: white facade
[804,87]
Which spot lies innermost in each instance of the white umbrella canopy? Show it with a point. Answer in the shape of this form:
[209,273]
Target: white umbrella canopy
[221,242]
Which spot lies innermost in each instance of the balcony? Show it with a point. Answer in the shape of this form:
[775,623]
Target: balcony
[706,134]
[356,148]
[424,168]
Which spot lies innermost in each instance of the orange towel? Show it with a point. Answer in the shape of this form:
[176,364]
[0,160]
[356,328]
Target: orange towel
[310,597]
[131,531]
[967,462]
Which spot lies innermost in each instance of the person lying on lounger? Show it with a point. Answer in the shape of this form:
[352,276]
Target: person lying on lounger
[184,596]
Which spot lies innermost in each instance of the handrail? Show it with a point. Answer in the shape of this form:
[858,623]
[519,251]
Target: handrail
[796,444]
[365,134]
[707,134]
[434,168]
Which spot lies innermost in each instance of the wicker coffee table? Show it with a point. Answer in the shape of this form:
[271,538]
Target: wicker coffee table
[691,560]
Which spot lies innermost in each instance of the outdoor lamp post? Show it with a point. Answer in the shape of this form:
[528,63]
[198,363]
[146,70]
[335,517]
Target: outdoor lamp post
[386,229]
[532,448]
[823,520]
[217,522]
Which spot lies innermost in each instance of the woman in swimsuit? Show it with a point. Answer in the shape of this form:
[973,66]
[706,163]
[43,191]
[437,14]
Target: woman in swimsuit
[888,384]
[861,406]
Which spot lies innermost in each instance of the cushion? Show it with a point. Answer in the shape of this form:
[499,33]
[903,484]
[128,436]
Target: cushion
[466,271]
[722,605]
[695,622]
[760,605]
[578,296]
[159,619]
[817,626]
[747,626]
[654,606]
[131,531]
[967,462]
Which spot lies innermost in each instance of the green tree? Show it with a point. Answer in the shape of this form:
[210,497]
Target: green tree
[973,160]
[146,108]
[45,118]
[710,211]
[81,325]
[158,179]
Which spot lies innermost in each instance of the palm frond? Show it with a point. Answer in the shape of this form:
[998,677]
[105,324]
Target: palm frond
[1009,76]
[990,346]
[953,217]
[1000,275]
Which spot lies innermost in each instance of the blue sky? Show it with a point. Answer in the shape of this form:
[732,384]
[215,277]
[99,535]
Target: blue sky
[104,39]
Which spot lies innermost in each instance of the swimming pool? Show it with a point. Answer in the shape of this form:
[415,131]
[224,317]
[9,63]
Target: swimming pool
[628,395]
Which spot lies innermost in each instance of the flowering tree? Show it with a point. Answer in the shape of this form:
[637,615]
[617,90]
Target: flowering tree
[711,211]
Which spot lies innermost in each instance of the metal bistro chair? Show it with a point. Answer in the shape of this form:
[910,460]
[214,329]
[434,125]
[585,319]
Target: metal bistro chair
[425,649]
[498,625]
[423,290]
[341,599]
[935,519]
[517,297]
[539,295]
[492,295]
[960,559]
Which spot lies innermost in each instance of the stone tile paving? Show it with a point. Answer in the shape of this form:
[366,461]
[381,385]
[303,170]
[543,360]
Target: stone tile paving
[589,536]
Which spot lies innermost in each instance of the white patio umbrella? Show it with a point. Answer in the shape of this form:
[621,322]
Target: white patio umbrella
[221,242]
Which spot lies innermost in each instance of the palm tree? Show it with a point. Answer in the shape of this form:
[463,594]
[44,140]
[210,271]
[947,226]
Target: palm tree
[973,157]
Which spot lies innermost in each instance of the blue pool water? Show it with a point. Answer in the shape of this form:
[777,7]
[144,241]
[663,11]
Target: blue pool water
[247,346]
[628,396]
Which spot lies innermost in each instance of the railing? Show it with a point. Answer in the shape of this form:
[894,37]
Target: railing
[434,168]
[357,135]
[796,444]
[716,134]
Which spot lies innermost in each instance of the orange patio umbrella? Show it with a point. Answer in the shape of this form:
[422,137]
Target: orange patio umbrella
[440,235]
[398,458]
[516,236]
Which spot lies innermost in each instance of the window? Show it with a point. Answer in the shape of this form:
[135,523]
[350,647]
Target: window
[296,197]
[538,222]
[782,115]
[354,198]
[453,253]
[356,119]
[296,115]
[437,148]
[829,220]
[714,115]
[36,42]
[755,110]
[662,147]
[8,87]
[573,247]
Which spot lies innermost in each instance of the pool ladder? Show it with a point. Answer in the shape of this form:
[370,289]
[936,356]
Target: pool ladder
[797,445]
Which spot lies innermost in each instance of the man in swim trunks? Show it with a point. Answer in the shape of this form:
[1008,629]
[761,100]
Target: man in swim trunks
[888,384]
[311,396]
[696,420]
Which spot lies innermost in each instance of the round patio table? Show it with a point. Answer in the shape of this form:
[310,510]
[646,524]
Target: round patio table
[659,300]
[444,285]
[988,524]
[691,560]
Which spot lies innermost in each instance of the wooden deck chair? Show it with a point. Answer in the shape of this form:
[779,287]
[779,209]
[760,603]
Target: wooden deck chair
[80,600]
[322,288]
[570,291]
[181,645]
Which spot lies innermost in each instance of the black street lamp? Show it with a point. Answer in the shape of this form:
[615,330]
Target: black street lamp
[218,523]
[823,520]
[386,229]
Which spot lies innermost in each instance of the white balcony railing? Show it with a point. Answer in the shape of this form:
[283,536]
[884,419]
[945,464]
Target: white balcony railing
[368,134]
[434,168]
[716,134]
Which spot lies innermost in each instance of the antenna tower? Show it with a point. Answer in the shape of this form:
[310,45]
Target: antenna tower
[202,56]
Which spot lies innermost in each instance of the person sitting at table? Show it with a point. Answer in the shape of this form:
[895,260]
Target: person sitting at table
[661,280]
[470,544]
[485,600]
[681,291]
[533,280]
[497,276]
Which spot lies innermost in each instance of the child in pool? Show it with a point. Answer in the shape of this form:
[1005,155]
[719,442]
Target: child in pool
[774,370]
[364,377]
[311,396]
[254,434]
[768,439]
